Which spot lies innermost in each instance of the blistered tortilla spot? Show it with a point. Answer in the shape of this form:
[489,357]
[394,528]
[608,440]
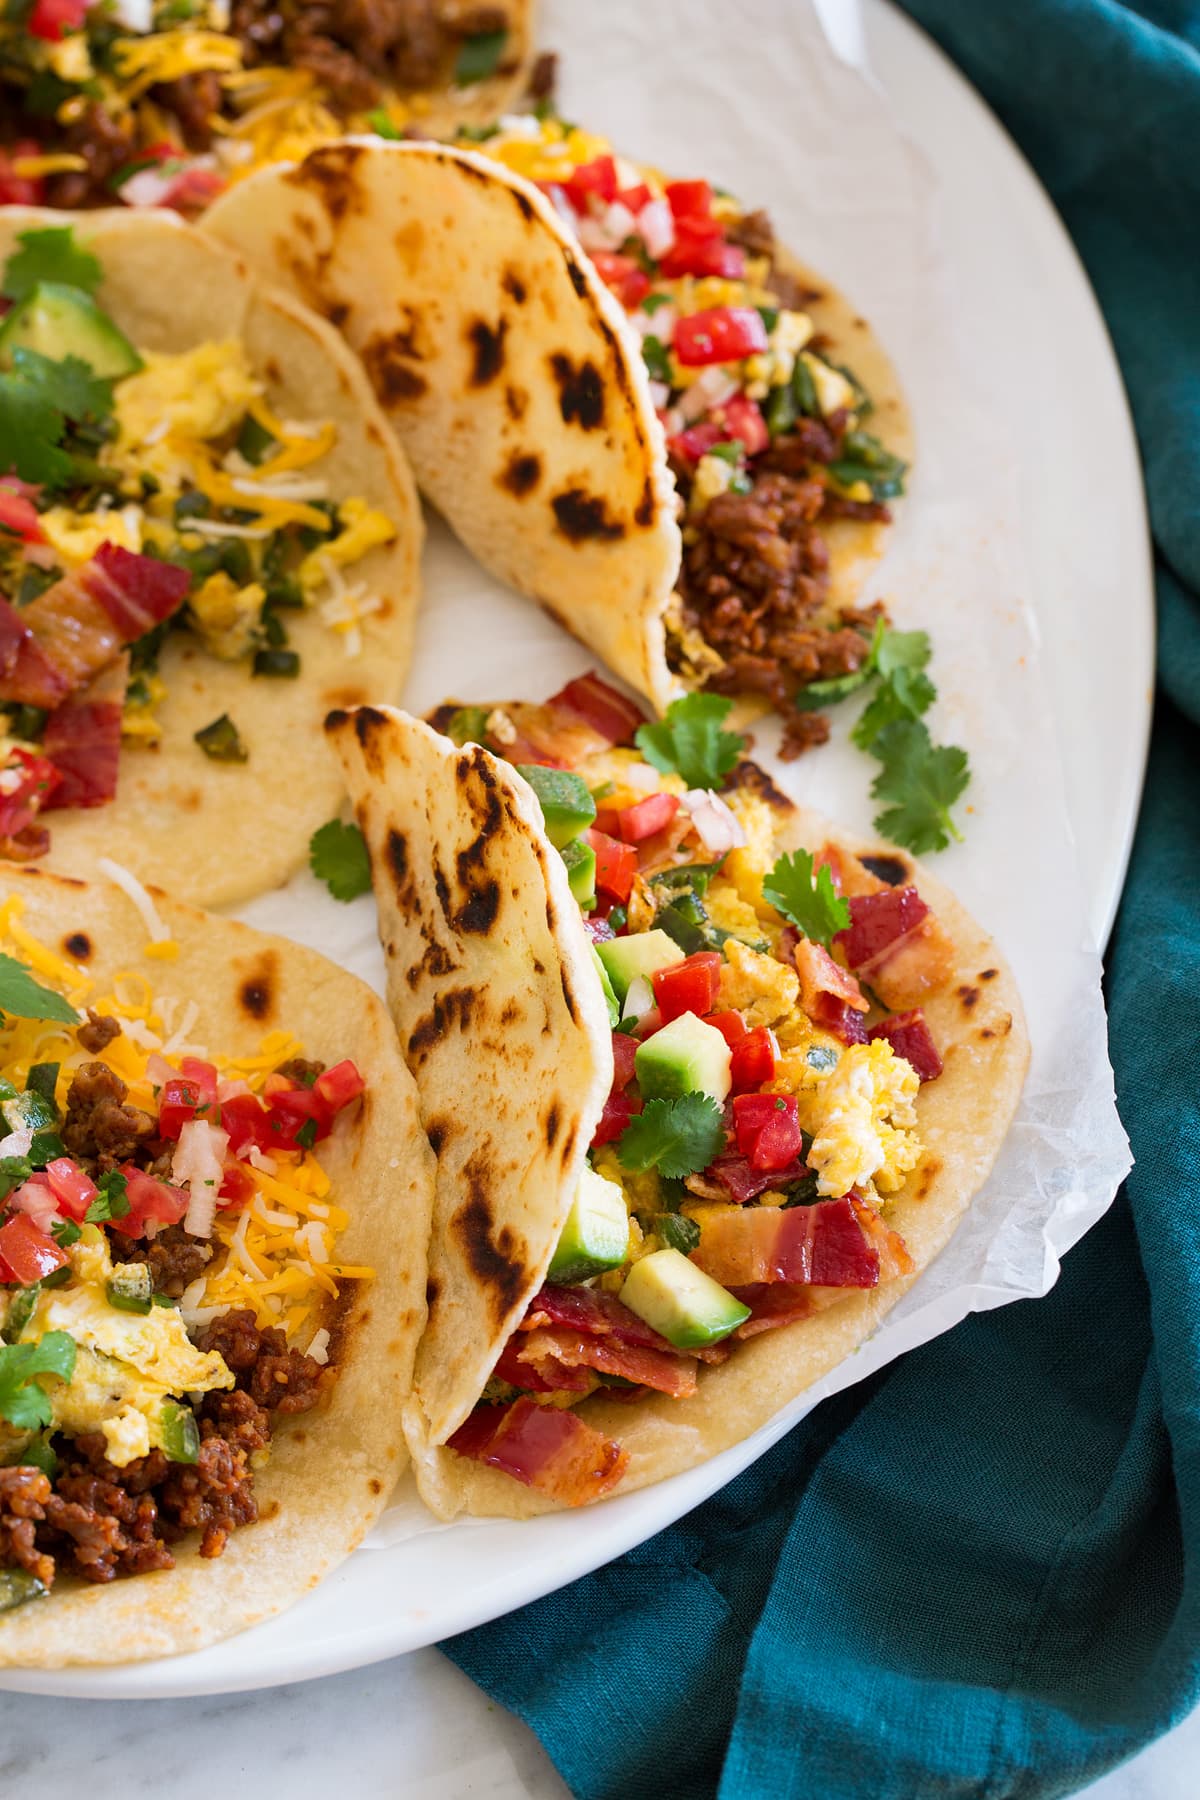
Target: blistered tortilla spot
[390,375]
[569,1000]
[331,175]
[257,991]
[374,435]
[78,946]
[926,1173]
[569,1142]
[581,516]
[987,974]
[397,857]
[337,312]
[437,1131]
[523,205]
[516,403]
[374,1485]
[552,1124]
[645,509]
[514,286]
[270,1510]
[478,914]
[343,697]
[510,1012]
[521,474]
[442,889]
[432,1291]
[968,995]
[747,777]
[887,868]
[580,391]
[299,1436]
[539,967]
[456,1006]
[487,350]
[578,278]
[497,1256]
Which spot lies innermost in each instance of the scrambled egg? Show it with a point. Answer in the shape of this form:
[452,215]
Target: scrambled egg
[77,536]
[748,867]
[860,1114]
[763,990]
[226,616]
[727,910]
[127,1364]
[200,394]
[363,528]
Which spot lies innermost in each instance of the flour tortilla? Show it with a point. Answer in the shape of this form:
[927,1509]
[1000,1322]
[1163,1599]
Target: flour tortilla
[411,786]
[216,833]
[330,1471]
[514,379]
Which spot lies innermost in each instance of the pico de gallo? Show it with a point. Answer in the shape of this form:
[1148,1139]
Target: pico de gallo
[769,1043]
[165,102]
[769,437]
[143,494]
[169,1276]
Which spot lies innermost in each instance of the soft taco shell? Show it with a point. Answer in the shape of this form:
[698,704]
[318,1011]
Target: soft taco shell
[963,1116]
[216,833]
[330,1472]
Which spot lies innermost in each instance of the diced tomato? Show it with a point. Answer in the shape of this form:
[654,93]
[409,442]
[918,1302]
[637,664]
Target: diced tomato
[27,1253]
[719,334]
[688,987]
[624,1050]
[289,1110]
[654,813]
[627,279]
[634,198]
[598,929]
[149,1199]
[51,20]
[202,1075]
[742,419]
[193,189]
[731,1025]
[178,1104]
[236,1188]
[753,1060]
[244,1119]
[20,190]
[911,1038]
[337,1087]
[18,514]
[700,253]
[601,707]
[618,1110]
[616,865]
[690,445]
[767,1129]
[750,1114]
[73,1189]
[689,199]
[36,778]
[37,1198]
[597,178]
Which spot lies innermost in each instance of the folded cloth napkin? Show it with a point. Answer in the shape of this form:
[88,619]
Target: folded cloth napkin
[977,1573]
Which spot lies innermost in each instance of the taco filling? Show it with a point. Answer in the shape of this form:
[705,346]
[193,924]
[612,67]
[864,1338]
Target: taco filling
[169,1282]
[144,494]
[768,1043]
[769,438]
[164,102]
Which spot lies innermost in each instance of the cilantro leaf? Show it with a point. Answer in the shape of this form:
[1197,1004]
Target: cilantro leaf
[25,998]
[68,386]
[22,1401]
[110,1202]
[479,57]
[337,855]
[902,650]
[677,1232]
[906,695]
[810,903]
[922,780]
[676,1137]
[49,255]
[833,688]
[658,363]
[31,430]
[690,742]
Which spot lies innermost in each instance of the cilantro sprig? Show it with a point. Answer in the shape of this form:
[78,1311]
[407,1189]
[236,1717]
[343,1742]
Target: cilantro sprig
[689,741]
[337,855]
[676,1137]
[23,1401]
[26,998]
[111,1200]
[808,901]
[49,255]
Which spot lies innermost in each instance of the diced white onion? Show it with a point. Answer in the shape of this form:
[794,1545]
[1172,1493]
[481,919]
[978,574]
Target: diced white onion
[659,324]
[660,393]
[132,887]
[619,223]
[17,1142]
[318,1349]
[717,826]
[712,389]
[199,1165]
[639,999]
[147,188]
[657,227]
[562,206]
[134,15]
[520,125]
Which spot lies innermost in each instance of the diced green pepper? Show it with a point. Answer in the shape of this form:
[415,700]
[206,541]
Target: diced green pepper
[131,1288]
[221,741]
[468,725]
[17,1586]
[180,1433]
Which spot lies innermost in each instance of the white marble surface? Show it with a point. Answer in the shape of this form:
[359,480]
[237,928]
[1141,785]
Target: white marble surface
[412,1729]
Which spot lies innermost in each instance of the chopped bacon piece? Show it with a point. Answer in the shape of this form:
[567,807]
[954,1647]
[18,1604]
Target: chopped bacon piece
[78,626]
[744,1183]
[824,1245]
[822,978]
[839,1018]
[777,1303]
[665,1370]
[601,707]
[83,740]
[897,946]
[894,1259]
[877,921]
[549,1448]
[549,734]
[554,1377]
[598,1314]
[911,1038]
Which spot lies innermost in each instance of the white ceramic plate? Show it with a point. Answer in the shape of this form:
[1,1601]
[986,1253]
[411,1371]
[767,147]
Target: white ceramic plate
[1034,327]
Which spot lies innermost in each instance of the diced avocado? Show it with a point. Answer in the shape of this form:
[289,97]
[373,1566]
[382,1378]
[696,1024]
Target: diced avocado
[581,872]
[596,1234]
[685,1057]
[610,999]
[643,953]
[567,806]
[680,1301]
[62,321]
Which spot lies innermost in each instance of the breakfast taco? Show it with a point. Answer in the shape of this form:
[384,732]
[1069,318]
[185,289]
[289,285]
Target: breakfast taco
[710,1083]
[216,1199]
[550,399]
[158,103]
[208,536]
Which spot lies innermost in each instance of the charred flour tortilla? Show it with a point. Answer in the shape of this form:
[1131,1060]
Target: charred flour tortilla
[330,1470]
[515,378]
[453,836]
[502,361]
[216,831]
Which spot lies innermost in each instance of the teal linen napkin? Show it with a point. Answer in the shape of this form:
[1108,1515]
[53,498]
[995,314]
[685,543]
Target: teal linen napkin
[976,1574]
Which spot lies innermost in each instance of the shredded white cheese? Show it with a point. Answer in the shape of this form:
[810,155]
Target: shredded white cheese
[318,1349]
[133,889]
